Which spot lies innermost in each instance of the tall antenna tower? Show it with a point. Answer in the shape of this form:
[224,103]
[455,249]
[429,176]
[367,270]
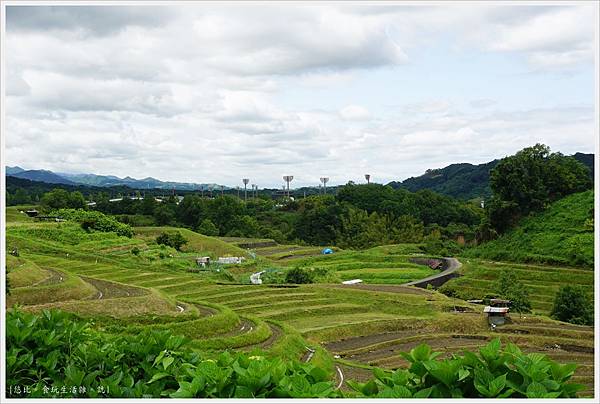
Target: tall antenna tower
[245,181]
[288,179]
[222,188]
[254,190]
[324,180]
[368,178]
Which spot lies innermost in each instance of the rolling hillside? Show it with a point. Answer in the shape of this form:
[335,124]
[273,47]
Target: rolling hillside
[562,234]
[466,181]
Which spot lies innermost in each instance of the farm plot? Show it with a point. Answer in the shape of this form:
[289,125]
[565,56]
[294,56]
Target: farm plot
[542,281]
[363,325]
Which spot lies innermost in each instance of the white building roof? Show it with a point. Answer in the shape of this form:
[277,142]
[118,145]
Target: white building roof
[490,309]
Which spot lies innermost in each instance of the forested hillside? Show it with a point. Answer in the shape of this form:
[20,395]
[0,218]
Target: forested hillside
[561,234]
[467,181]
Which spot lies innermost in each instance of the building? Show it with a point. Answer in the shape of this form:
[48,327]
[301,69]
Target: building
[203,261]
[230,260]
[496,315]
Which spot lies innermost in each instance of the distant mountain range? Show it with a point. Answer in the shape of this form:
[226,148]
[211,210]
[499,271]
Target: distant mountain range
[463,181]
[466,181]
[104,180]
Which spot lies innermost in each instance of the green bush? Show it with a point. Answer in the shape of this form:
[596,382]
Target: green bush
[93,220]
[494,373]
[207,228]
[135,251]
[172,239]
[573,304]
[299,275]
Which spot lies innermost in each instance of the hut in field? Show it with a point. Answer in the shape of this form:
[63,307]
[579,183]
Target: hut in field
[203,261]
[496,315]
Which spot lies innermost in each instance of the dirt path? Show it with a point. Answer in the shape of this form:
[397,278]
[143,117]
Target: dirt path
[109,290]
[54,278]
[441,278]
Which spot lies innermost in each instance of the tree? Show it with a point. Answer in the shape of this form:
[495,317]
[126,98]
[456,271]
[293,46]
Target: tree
[148,205]
[510,288]
[58,198]
[360,230]
[173,239]
[299,275]
[163,214]
[76,200]
[20,197]
[574,305]
[529,181]
[207,228]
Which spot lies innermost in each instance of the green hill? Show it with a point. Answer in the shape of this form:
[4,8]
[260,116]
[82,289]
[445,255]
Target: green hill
[562,234]
[466,181]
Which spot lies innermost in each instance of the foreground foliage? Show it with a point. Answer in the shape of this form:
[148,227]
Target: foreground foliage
[56,355]
[494,373]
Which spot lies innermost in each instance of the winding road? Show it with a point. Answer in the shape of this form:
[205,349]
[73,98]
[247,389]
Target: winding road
[453,265]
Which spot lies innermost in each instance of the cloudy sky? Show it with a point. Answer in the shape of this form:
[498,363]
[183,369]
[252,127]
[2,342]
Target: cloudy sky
[217,92]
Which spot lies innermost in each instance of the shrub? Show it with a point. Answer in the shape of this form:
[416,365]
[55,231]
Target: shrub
[93,220]
[173,239]
[573,305]
[299,275]
[135,251]
[494,373]
[207,228]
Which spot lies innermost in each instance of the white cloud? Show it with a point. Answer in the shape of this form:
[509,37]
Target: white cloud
[211,92]
[354,113]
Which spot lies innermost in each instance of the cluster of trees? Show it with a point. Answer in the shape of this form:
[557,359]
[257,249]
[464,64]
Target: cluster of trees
[358,216]
[528,182]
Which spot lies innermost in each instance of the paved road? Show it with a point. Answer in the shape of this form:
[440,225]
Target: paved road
[453,266]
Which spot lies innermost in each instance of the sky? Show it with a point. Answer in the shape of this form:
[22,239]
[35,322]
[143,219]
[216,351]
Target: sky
[212,93]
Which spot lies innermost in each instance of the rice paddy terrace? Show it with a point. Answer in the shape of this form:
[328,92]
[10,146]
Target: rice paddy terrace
[347,329]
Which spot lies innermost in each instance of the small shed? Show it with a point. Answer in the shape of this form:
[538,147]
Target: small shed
[203,261]
[230,260]
[32,213]
[496,315]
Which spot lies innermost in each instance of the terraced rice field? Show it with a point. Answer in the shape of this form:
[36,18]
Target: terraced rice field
[349,327]
[542,281]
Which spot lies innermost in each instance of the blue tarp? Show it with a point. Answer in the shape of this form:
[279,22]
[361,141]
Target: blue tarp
[327,251]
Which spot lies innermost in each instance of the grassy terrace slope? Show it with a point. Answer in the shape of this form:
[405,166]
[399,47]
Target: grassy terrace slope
[479,278]
[562,234]
[96,275]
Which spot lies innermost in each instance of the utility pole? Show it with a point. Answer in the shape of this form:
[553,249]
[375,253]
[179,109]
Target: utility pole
[222,188]
[245,181]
